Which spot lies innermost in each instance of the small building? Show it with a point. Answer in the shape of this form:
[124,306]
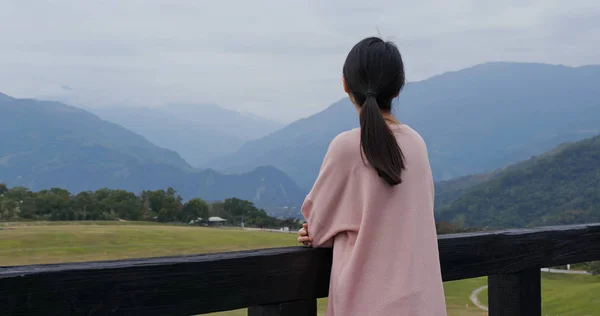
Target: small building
[216,221]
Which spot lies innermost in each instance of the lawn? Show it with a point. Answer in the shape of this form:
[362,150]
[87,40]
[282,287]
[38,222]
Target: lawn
[457,300]
[572,295]
[36,243]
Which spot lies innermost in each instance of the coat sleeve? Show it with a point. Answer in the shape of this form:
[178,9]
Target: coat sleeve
[323,208]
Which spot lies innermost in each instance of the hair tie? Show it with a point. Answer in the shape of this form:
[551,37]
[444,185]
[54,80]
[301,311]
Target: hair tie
[371,94]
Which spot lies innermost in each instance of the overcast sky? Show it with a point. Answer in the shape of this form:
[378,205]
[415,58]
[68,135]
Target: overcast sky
[280,59]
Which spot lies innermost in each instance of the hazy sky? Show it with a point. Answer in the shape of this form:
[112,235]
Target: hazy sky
[280,59]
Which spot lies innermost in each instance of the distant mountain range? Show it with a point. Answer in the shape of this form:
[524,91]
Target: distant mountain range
[50,144]
[297,149]
[198,133]
[474,120]
[561,186]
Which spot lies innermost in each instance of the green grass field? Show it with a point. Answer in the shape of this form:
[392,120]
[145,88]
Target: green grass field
[567,295]
[36,243]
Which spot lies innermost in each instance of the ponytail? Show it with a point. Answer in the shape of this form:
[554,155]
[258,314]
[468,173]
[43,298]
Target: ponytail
[373,65]
[378,143]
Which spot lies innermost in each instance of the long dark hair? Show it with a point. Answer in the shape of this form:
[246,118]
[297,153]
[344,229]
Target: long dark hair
[374,76]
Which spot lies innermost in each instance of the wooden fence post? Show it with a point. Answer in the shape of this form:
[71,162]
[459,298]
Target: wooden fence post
[297,308]
[515,294]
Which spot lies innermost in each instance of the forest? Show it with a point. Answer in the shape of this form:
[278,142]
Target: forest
[166,206]
[560,187]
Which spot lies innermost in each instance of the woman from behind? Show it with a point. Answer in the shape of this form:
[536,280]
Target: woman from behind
[373,200]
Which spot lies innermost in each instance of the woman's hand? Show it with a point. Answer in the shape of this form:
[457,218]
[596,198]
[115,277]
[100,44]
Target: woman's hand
[303,237]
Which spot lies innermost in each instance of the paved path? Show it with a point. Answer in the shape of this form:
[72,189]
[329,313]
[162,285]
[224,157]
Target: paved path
[271,230]
[474,295]
[565,271]
[475,300]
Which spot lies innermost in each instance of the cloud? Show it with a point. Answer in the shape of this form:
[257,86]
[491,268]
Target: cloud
[279,59]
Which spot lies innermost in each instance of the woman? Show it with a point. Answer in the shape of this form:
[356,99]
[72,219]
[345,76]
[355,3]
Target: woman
[373,200]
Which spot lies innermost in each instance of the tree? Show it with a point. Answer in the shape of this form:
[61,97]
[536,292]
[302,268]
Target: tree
[3,188]
[165,204]
[24,200]
[8,209]
[594,267]
[145,205]
[86,204]
[292,223]
[18,193]
[125,204]
[108,204]
[54,204]
[194,209]
[164,216]
[218,209]
[238,209]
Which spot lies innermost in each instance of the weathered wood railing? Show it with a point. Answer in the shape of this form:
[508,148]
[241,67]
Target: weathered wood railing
[282,281]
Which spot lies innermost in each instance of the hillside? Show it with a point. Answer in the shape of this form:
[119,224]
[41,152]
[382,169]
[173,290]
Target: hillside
[49,144]
[558,187]
[198,133]
[297,149]
[448,191]
[474,120]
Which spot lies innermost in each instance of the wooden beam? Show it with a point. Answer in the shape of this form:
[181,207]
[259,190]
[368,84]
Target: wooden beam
[187,285]
[299,308]
[516,294]
[472,255]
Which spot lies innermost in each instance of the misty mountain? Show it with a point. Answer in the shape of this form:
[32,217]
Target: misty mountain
[297,148]
[474,120]
[50,144]
[559,187]
[198,133]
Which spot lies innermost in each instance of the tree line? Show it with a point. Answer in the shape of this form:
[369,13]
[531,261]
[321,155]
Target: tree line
[57,204]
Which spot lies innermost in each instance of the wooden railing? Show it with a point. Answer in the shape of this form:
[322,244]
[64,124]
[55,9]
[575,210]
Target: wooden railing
[285,281]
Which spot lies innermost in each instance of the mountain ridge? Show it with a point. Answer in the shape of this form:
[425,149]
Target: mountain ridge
[473,120]
[197,132]
[272,149]
[562,186]
[49,144]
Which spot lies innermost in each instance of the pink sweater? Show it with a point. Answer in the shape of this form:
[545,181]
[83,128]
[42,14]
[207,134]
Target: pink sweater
[385,254]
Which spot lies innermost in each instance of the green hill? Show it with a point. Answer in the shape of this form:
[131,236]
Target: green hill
[474,121]
[50,144]
[559,187]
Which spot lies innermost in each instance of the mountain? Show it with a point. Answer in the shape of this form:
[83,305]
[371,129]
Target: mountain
[474,120]
[298,148]
[246,126]
[559,187]
[197,132]
[50,144]
[266,187]
[448,191]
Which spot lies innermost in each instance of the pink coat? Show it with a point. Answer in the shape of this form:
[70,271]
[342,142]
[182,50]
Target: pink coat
[385,253]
